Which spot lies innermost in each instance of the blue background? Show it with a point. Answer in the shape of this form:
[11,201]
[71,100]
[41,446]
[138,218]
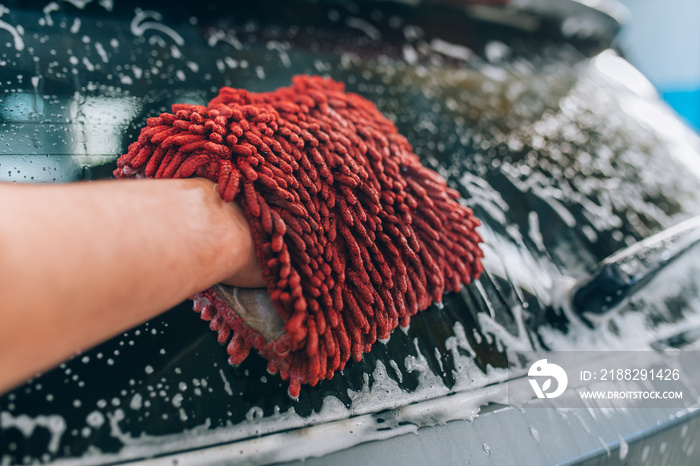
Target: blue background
[662,39]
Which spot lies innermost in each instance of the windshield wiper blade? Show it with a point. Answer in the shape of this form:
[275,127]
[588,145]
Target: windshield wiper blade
[620,275]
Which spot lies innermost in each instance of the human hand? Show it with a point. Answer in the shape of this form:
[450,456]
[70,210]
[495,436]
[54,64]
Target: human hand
[245,273]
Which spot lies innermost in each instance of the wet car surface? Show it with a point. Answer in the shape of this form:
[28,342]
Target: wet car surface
[560,147]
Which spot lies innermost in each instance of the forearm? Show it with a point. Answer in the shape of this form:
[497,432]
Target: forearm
[80,263]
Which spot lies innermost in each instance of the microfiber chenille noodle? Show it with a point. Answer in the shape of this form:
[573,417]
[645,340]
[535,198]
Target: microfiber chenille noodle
[354,235]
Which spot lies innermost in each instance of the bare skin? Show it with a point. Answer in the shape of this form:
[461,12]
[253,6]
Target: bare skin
[82,262]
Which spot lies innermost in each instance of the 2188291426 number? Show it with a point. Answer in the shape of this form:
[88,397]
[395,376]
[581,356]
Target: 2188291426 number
[639,374]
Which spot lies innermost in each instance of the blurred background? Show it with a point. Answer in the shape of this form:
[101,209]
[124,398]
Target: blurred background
[662,39]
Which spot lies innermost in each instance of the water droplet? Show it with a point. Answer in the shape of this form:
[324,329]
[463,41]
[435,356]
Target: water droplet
[95,419]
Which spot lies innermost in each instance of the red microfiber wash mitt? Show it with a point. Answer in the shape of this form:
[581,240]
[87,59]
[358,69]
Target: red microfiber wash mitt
[354,235]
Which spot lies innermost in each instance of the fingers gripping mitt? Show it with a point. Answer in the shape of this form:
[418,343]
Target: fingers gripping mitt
[354,235]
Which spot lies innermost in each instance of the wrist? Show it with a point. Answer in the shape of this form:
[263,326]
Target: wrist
[229,250]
